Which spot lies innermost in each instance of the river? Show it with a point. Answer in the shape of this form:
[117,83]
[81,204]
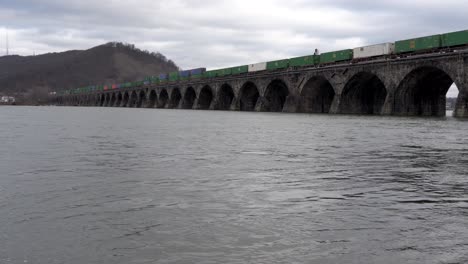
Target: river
[115,185]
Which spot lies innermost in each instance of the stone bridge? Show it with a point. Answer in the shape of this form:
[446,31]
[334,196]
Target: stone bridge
[409,86]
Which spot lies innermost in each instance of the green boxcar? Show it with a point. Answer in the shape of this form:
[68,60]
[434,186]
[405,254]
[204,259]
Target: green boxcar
[210,74]
[418,44]
[225,72]
[453,39]
[173,76]
[240,69]
[334,56]
[196,76]
[154,80]
[279,64]
[304,61]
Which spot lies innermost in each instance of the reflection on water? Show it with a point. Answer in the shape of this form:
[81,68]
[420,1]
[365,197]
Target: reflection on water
[94,185]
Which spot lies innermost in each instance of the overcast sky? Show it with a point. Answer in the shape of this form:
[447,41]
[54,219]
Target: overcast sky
[209,33]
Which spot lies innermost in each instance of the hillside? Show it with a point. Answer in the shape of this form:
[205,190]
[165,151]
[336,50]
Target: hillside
[30,78]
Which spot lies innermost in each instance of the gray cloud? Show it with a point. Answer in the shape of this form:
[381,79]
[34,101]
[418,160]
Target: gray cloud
[211,33]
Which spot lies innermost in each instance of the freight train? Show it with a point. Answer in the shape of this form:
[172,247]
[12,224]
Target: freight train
[403,48]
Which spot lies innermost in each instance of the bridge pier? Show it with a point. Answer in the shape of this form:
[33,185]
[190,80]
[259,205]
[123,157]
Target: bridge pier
[291,104]
[461,107]
[387,108]
[261,105]
[196,105]
[335,106]
[235,105]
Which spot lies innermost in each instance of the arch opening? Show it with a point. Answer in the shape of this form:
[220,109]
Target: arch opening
[423,92]
[451,99]
[317,96]
[163,99]
[141,99]
[175,98]
[152,100]
[249,97]
[275,96]
[189,98]
[364,94]
[205,98]
[225,97]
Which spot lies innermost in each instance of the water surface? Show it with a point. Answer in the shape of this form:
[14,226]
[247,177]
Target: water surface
[104,185]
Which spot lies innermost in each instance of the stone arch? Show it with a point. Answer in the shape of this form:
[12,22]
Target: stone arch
[126,99]
[275,96]
[163,99]
[317,95]
[422,92]
[363,94]
[119,100]
[225,97]
[133,99]
[189,98]
[205,98]
[152,99]
[175,98]
[141,99]
[249,95]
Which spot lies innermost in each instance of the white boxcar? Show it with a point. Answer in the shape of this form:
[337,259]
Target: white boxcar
[257,67]
[374,50]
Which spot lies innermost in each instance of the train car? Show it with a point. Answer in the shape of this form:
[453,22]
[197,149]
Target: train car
[418,44]
[184,75]
[154,80]
[374,50]
[163,77]
[310,60]
[455,39]
[210,74]
[262,66]
[224,72]
[240,69]
[173,76]
[197,73]
[336,56]
[278,64]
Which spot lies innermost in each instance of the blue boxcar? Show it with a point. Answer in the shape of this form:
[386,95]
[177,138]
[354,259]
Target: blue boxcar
[198,71]
[184,74]
[163,76]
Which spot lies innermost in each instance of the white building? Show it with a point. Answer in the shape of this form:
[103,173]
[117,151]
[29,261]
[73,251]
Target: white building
[7,99]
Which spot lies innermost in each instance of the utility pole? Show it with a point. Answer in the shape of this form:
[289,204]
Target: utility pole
[7,48]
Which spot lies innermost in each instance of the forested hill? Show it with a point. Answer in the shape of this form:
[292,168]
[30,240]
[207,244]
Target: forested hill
[32,77]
